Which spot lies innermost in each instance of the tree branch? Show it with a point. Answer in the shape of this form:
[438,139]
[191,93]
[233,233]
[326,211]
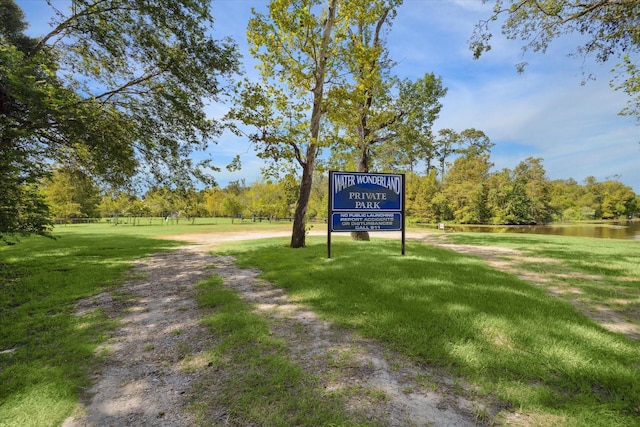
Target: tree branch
[90,10]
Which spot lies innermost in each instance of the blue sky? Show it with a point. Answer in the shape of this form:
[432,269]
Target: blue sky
[545,112]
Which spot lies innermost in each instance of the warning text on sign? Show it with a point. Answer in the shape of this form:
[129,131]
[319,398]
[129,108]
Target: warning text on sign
[366,221]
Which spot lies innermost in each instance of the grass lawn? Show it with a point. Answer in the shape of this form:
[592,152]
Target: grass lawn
[156,227]
[600,275]
[506,336]
[261,385]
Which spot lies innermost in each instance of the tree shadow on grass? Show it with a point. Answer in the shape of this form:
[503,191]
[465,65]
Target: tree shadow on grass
[447,309]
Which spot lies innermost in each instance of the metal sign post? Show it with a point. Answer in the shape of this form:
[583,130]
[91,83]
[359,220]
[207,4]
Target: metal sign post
[365,202]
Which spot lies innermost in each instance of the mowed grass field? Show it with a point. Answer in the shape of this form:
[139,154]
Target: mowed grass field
[509,338]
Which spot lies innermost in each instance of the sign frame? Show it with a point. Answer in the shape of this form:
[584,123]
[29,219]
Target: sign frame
[365,201]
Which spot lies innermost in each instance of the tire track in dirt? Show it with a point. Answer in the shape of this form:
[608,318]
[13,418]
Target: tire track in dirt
[142,381]
[345,360]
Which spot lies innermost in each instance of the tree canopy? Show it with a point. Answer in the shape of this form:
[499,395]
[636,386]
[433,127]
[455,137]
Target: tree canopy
[116,88]
[327,83]
[296,46]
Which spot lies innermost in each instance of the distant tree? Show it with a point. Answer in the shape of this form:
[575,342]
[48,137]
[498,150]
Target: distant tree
[563,195]
[618,200]
[420,100]
[412,184]
[450,142]
[318,202]
[23,210]
[445,145]
[159,201]
[587,212]
[236,187]
[213,200]
[531,172]
[232,206]
[71,194]
[466,187]
[116,205]
[268,198]
[591,196]
[500,191]
[475,140]
[422,196]
[137,209]
[191,203]
[610,28]
[517,204]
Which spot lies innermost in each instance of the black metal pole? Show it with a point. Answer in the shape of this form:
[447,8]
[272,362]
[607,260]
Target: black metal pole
[403,214]
[329,214]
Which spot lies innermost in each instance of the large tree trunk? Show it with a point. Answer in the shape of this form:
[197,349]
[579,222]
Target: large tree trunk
[299,232]
[363,166]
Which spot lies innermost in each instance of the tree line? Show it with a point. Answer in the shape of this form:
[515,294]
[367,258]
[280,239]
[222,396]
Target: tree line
[468,193]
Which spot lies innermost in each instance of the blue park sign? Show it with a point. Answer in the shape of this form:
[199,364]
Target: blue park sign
[366,201]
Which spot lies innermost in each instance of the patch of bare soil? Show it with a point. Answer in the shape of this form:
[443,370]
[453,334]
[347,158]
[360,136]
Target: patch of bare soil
[141,381]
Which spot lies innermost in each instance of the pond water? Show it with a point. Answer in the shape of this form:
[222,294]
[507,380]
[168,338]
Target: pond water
[606,230]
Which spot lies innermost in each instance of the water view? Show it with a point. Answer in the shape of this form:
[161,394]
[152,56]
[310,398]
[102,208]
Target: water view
[606,230]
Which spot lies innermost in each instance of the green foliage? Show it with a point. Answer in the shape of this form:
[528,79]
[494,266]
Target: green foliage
[377,118]
[231,206]
[23,210]
[270,199]
[26,89]
[630,85]
[296,45]
[71,194]
[471,193]
[466,188]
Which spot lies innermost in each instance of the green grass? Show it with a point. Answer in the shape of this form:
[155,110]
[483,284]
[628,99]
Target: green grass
[604,274]
[611,257]
[507,336]
[261,386]
[47,350]
[156,227]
